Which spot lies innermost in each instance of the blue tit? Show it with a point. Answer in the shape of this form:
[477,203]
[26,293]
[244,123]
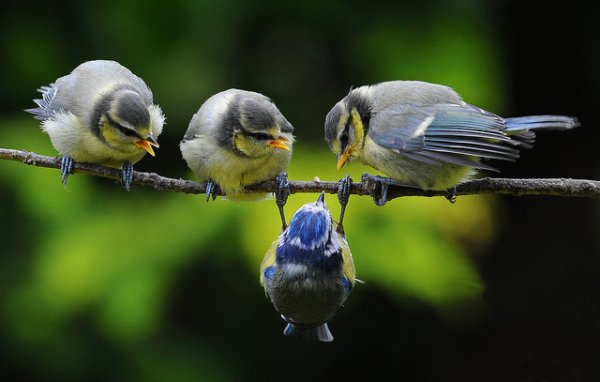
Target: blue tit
[237,138]
[308,272]
[424,135]
[100,113]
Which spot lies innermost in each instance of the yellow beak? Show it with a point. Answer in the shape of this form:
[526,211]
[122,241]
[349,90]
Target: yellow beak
[343,158]
[146,144]
[279,143]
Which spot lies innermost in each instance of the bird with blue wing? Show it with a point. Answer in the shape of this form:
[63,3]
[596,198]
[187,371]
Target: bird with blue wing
[100,113]
[308,272]
[425,136]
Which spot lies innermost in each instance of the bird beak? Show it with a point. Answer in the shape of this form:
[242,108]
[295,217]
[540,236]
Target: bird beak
[321,199]
[343,158]
[279,143]
[146,144]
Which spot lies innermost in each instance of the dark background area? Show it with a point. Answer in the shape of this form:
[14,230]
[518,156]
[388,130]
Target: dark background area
[170,290]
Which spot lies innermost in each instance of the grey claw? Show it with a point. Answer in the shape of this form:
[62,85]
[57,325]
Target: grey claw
[381,199]
[451,195]
[282,192]
[127,175]
[66,168]
[344,196]
[211,190]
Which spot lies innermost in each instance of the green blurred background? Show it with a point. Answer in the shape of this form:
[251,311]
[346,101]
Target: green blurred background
[98,284]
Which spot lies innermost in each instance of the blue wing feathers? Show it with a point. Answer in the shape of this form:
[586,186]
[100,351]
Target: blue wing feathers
[347,284]
[458,160]
[468,149]
[465,133]
[460,134]
[482,144]
[269,272]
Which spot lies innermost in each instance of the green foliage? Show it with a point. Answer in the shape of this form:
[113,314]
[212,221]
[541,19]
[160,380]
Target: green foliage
[400,46]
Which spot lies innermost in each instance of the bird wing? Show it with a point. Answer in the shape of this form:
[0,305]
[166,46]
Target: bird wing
[348,269]
[268,266]
[458,134]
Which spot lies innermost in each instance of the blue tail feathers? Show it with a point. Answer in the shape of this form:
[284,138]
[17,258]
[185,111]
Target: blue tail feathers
[520,128]
[315,333]
[541,122]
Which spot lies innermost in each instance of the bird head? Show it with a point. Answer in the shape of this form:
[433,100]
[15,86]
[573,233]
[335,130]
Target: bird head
[126,123]
[346,125]
[310,239]
[260,128]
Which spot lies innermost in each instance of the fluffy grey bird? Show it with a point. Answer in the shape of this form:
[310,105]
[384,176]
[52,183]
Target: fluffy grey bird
[238,138]
[424,135]
[100,113]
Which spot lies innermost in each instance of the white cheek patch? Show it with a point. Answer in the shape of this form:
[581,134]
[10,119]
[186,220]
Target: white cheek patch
[333,246]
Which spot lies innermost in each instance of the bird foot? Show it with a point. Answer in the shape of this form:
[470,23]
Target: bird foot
[127,175]
[451,195]
[379,198]
[66,168]
[343,194]
[211,190]
[282,192]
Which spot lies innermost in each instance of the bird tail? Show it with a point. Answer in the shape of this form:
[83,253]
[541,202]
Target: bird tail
[520,128]
[315,333]
[43,111]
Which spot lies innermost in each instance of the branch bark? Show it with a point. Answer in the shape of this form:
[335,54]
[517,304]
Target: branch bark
[517,187]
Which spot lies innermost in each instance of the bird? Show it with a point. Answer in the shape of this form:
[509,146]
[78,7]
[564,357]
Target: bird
[238,138]
[423,135]
[100,113]
[308,272]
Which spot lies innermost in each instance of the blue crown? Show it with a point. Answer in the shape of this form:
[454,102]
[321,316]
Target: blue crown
[310,239]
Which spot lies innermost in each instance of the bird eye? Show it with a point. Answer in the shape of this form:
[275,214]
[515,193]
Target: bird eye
[344,137]
[127,131]
[259,136]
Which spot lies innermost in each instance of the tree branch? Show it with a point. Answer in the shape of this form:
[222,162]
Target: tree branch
[518,187]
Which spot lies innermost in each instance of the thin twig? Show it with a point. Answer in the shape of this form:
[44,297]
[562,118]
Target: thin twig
[518,187]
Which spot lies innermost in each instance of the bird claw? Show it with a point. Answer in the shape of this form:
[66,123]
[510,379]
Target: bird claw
[343,195]
[282,192]
[451,195]
[380,199]
[211,190]
[127,175]
[66,168]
